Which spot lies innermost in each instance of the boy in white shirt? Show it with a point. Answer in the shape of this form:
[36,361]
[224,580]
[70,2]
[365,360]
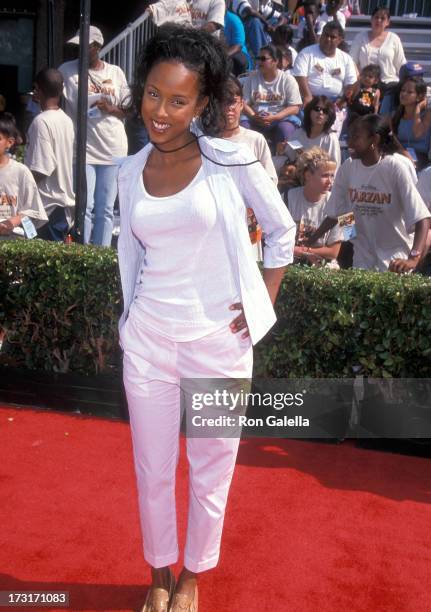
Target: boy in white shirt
[49,155]
[19,196]
[332,12]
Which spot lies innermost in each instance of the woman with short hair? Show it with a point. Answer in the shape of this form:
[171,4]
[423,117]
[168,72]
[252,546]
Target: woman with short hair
[272,98]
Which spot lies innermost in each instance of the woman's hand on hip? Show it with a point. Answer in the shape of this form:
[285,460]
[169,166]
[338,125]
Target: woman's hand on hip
[239,323]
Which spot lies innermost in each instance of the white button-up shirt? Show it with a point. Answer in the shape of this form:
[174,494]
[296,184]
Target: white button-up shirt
[236,183]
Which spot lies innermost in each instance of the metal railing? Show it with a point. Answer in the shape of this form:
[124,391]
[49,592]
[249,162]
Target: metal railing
[124,48]
[398,7]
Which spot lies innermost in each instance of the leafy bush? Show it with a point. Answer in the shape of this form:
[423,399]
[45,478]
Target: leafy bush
[61,303]
[60,306]
[349,322]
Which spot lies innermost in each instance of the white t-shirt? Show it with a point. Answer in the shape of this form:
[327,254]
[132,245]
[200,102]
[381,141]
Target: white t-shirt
[181,295]
[309,215]
[389,56]
[257,143]
[271,96]
[294,53]
[324,18]
[318,27]
[204,11]
[327,142]
[386,206]
[106,136]
[171,10]
[50,152]
[269,12]
[239,6]
[410,167]
[327,76]
[424,186]
[19,193]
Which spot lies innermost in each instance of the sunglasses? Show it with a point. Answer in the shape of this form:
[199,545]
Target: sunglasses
[320,109]
[262,58]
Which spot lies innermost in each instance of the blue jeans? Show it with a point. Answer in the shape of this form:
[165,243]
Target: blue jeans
[101,193]
[277,131]
[57,227]
[255,35]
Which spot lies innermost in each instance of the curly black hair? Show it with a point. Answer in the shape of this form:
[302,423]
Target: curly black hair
[196,50]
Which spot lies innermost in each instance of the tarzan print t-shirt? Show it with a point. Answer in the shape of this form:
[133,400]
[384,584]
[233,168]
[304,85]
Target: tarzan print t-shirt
[271,96]
[386,206]
[308,216]
[19,193]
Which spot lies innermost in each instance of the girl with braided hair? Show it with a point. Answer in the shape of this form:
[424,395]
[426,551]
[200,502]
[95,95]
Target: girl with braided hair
[194,299]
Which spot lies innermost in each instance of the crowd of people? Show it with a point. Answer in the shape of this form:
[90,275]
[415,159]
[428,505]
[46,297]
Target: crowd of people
[292,91]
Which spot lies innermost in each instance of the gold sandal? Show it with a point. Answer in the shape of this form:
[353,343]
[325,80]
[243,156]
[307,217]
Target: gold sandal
[158,599]
[183,603]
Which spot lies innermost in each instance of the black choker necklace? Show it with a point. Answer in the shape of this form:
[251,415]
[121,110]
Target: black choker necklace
[156,146]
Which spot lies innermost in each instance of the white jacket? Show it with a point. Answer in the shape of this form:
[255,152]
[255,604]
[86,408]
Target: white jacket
[234,189]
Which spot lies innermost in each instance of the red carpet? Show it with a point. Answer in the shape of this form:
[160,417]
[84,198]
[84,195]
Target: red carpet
[310,527]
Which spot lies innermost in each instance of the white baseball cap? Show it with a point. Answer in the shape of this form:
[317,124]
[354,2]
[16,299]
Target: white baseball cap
[95,36]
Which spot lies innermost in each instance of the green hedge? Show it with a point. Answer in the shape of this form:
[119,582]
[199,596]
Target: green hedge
[60,306]
[349,322]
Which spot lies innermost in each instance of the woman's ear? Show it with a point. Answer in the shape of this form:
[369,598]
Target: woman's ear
[11,142]
[376,141]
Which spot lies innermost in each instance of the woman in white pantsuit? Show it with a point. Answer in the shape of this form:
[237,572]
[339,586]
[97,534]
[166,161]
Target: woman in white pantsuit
[186,265]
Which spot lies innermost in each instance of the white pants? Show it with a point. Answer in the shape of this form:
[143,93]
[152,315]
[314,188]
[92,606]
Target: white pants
[153,366]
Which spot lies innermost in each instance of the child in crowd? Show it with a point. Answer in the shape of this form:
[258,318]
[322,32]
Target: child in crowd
[284,59]
[49,156]
[377,186]
[307,205]
[236,133]
[19,196]
[282,37]
[412,121]
[310,29]
[255,141]
[319,117]
[332,12]
[365,98]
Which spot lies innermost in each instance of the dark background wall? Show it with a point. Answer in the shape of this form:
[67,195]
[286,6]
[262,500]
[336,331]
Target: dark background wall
[33,35]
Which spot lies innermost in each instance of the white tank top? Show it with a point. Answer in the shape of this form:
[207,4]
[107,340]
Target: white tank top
[186,284]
